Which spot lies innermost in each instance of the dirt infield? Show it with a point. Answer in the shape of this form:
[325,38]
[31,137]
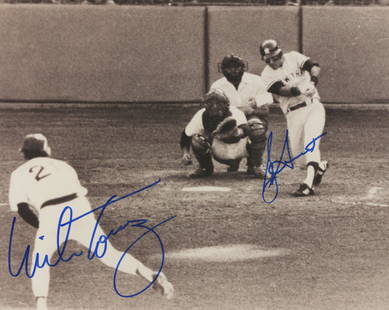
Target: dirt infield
[225,249]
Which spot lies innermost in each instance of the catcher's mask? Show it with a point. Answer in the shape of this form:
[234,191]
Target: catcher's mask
[35,145]
[216,103]
[270,51]
[232,67]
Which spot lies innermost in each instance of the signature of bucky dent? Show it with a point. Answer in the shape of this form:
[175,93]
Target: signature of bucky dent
[99,241]
[274,168]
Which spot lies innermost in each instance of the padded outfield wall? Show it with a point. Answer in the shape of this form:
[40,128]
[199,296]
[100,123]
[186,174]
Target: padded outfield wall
[101,53]
[240,30]
[352,46]
[170,54]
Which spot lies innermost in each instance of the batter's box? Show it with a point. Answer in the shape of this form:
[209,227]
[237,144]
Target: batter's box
[375,196]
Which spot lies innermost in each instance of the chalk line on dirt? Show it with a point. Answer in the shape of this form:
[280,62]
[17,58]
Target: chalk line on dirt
[372,193]
[206,189]
[228,253]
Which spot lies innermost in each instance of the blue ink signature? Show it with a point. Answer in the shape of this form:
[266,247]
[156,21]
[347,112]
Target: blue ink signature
[100,246]
[276,167]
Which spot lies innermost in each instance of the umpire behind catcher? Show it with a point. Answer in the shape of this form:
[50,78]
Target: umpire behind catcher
[247,92]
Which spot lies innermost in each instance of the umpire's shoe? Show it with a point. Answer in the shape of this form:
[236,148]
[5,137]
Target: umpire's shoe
[303,191]
[201,173]
[256,171]
[323,166]
[233,167]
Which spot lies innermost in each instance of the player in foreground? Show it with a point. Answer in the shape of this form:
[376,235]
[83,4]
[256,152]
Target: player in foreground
[39,191]
[292,78]
[247,92]
[216,131]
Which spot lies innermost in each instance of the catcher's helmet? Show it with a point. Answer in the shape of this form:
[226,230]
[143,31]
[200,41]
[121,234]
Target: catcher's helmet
[216,103]
[35,145]
[216,96]
[269,48]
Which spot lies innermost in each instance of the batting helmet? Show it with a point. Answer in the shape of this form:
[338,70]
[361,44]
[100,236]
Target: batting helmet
[35,145]
[269,48]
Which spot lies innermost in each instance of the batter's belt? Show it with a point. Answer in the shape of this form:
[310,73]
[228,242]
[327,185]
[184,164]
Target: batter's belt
[59,200]
[300,105]
[297,106]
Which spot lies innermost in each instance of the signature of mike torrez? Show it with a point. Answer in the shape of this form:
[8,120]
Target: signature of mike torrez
[100,242]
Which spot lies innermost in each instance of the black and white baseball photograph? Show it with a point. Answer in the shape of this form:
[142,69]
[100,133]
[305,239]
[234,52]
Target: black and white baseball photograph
[194,154]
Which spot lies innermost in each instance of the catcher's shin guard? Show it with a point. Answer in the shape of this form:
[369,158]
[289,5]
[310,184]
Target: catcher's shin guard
[258,138]
[202,150]
[255,153]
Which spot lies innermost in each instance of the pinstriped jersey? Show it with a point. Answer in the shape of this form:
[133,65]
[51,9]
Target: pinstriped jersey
[291,74]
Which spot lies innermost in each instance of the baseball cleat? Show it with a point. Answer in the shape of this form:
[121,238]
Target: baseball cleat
[303,191]
[323,166]
[163,285]
[201,173]
[256,171]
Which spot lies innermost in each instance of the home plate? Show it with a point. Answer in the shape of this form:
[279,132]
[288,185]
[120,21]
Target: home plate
[228,253]
[206,189]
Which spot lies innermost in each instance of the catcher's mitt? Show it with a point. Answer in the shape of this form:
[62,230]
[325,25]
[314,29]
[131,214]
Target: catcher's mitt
[227,131]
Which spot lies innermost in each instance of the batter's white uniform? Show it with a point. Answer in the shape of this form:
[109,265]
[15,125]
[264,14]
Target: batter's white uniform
[220,150]
[306,122]
[251,86]
[49,185]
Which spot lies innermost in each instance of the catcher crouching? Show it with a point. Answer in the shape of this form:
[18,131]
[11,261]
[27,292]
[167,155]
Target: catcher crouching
[217,131]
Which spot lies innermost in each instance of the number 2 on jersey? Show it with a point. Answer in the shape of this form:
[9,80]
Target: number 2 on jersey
[40,174]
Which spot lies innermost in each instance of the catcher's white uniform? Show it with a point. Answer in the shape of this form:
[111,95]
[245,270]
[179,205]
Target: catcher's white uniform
[49,185]
[221,151]
[305,115]
[250,87]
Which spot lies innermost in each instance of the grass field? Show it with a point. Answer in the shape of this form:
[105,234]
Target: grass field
[224,250]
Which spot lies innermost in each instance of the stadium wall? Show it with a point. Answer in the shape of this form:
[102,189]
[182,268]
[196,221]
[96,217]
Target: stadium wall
[170,54]
[101,53]
[239,30]
[351,44]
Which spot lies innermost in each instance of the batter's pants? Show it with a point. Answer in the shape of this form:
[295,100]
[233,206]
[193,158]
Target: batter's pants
[305,124]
